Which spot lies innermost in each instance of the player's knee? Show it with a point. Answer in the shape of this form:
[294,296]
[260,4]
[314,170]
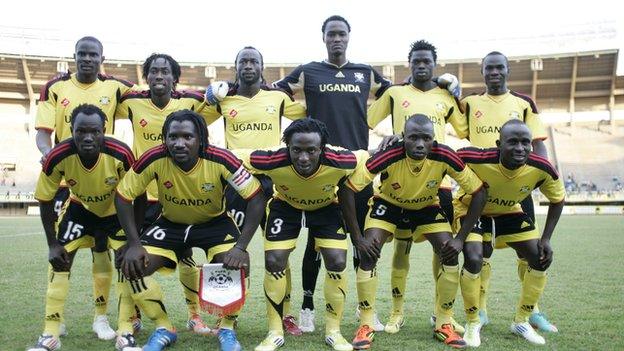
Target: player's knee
[400,260]
[473,261]
[487,249]
[273,263]
[338,263]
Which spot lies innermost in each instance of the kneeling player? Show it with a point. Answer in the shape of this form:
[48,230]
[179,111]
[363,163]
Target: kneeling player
[306,174]
[512,171]
[191,176]
[407,207]
[92,165]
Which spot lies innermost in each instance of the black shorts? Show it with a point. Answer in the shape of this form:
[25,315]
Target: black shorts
[62,194]
[78,228]
[152,212]
[406,224]
[236,205]
[171,240]
[502,229]
[284,223]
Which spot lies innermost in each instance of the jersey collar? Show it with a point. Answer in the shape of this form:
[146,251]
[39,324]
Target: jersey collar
[333,65]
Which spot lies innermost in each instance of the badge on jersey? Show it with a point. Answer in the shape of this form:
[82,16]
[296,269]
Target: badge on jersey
[221,291]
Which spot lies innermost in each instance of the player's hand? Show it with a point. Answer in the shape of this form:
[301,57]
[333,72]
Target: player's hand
[216,92]
[367,247]
[134,261]
[451,249]
[545,252]
[59,258]
[235,258]
[388,141]
[449,82]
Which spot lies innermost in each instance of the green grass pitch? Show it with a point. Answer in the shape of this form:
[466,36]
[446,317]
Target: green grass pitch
[584,295]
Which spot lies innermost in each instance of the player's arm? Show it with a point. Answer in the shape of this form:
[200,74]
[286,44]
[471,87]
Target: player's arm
[211,113]
[44,121]
[46,188]
[457,119]
[132,188]
[293,82]
[379,110]
[378,84]
[43,139]
[292,109]
[554,190]
[249,188]
[471,184]
[539,148]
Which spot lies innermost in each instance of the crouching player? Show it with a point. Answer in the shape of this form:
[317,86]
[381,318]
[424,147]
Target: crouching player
[512,171]
[408,207]
[306,174]
[191,176]
[92,166]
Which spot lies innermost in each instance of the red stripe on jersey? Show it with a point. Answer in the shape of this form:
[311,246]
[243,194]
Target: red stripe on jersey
[120,148]
[230,158]
[384,157]
[475,154]
[449,154]
[54,153]
[543,161]
[147,155]
[268,159]
[341,157]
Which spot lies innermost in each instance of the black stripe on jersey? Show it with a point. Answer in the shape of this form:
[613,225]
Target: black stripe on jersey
[45,92]
[542,164]
[458,104]
[477,155]
[58,153]
[342,159]
[149,157]
[383,159]
[527,99]
[443,153]
[467,114]
[104,77]
[224,157]
[267,159]
[145,94]
[118,150]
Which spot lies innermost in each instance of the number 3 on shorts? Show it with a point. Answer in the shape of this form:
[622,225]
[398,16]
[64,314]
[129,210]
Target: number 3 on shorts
[277,225]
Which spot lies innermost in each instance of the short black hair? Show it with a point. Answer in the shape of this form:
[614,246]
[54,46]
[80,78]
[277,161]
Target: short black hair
[176,71]
[335,18]
[92,39]
[511,122]
[88,110]
[419,119]
[422,45]
[306,125]
[496,53]
[262,80]
[197,120]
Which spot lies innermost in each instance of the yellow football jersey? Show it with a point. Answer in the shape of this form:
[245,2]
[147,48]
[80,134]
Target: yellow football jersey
[304,193]
[191,197]
[93,188]
[62,95]
[485,114]
[413,184]
[254,123]
[507,188]
[148,119]
[403,101]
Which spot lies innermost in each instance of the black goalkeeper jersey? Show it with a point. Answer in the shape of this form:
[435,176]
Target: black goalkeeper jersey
[337,96]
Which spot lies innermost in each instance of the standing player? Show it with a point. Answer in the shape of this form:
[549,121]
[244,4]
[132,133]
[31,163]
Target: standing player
[92,165]
[512,171]
[408,207]
[306,174]
[252,114]
[147,111]
[485,114]
[190,176]
[58,99]
[336,92]
[423,96]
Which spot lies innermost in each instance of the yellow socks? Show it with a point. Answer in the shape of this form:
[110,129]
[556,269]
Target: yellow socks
[448,281]
[125,306]
[532,288]
[367,282]
[102,280]
[58,286]
[486,273]
[335,293]
[470,284]
[398,276]
[147,294]
[275,285]
[188,273]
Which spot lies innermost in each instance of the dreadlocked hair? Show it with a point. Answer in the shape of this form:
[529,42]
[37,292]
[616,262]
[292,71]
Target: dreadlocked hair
[306,125]
[176,71]
[423,45]
[200,127]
